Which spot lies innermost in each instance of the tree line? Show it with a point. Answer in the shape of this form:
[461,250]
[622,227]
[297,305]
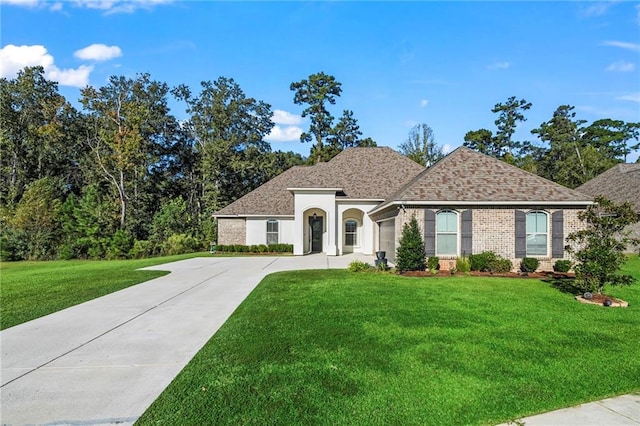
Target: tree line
[568,151]
[124,177]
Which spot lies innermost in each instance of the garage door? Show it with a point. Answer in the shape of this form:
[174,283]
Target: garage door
[388,238]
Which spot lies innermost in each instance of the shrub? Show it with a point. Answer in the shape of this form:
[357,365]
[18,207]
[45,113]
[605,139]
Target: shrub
[120,245]
[480,261]
[280,248]
[562,265]
[529,264]
[500,265]
[358,266]
[410,254]
[463,264]
[433,263]
[180,243]
[141,249]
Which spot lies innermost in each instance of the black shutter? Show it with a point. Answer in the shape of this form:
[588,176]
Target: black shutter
[557,234]
[466,240]
[429,233]
[521,234]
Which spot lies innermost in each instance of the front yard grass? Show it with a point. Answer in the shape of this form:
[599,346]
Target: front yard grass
[333,347]
[29,290]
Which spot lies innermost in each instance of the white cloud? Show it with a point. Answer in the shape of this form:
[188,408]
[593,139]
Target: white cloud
[499,66]
[633,97]
[595,9]
[283,117]
[424,103]
[284,134]
[98,52]
[120,6]
[622,44]
[15,58]
[70,77]
[621,66]
[446,148]
[108,6]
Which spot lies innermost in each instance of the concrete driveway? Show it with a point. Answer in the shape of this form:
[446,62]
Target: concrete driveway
[105,361]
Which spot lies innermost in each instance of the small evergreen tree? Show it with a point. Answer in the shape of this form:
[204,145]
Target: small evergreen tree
[410,255]
[599,248]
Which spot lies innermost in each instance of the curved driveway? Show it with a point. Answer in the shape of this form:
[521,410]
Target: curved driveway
[105,361]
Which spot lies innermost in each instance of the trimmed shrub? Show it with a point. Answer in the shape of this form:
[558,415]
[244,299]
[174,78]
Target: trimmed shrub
[358,266]
[280,248]
[463,264]
[562,265]
[480,262]
[529,264]
[410,254]
[500,265]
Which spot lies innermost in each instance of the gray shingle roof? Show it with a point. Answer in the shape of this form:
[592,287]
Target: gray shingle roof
[362,173]
[466,176]
[619,184]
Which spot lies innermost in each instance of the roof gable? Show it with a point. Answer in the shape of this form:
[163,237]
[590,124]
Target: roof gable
[371,173]
[466,176]
[619,184]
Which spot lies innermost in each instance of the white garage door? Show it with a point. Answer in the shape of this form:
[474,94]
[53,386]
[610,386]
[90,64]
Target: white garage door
[388,238]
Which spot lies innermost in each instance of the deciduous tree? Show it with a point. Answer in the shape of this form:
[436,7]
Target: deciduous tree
[599,248]
[421,147]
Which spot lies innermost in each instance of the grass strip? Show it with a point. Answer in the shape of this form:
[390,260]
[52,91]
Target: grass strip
[333,347]
[29,290]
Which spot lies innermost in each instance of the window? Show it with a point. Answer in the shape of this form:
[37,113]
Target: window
[537,233]
[350,233]
[272,231]
[447,233]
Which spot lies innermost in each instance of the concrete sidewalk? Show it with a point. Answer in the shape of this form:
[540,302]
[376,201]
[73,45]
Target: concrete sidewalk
[105,361]
[619,411]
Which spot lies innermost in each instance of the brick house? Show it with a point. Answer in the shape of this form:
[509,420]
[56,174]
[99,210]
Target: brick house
[359,201]
[621,183]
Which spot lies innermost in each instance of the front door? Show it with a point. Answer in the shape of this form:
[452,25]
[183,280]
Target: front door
[315,227]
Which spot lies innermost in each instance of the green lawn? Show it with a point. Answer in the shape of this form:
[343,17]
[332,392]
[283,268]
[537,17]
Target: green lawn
[31,290]
[332,347]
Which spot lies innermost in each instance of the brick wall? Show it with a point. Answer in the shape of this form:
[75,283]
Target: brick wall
[232,231]
[494,230]
[634,230]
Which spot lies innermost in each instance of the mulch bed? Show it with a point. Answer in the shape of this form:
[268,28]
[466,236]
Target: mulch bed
[534,275]
[601,299]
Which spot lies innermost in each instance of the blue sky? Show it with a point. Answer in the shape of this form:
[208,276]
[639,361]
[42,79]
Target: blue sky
[400,63]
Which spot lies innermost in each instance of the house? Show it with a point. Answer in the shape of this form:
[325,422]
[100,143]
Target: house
[359,201]
[620,184]
[320,208]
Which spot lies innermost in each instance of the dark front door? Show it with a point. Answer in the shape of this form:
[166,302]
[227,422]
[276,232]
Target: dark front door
[315,226]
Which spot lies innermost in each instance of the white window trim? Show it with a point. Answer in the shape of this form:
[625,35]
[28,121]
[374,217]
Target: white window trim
[357,233]
[527,234]
[457,233]
[277,233]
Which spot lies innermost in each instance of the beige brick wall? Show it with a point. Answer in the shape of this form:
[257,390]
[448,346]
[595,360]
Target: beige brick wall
[494,230]
[634,230]
[404,216]
[232,231]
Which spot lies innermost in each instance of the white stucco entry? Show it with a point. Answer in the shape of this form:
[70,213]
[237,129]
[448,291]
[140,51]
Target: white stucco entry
[334,211]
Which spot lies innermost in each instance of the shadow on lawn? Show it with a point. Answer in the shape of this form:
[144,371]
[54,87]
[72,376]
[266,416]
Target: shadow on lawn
[564,284]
